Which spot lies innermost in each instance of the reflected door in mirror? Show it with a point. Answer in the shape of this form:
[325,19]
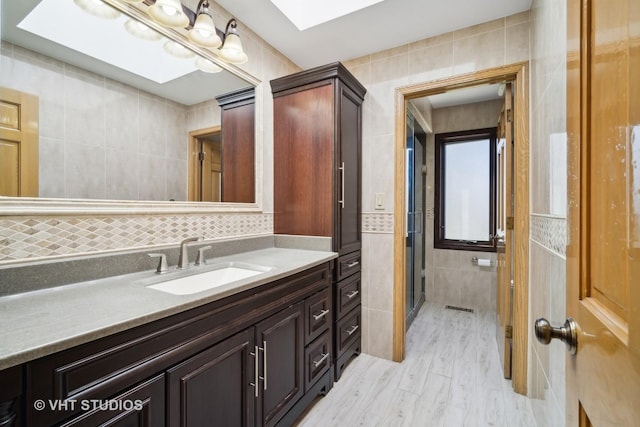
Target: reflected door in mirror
[205,174]
[18,144]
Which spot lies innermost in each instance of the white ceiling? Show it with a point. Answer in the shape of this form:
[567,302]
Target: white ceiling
[382,26]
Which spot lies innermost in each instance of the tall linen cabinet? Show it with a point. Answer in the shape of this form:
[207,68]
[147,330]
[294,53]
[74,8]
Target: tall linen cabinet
[317,181]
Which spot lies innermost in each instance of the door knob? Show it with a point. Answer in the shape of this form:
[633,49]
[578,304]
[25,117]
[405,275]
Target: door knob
[568,333]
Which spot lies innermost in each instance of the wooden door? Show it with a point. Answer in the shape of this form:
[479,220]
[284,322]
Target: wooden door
[215,385]
[504,233]
[211,171]
[282,368]
[205,165]
[18,144]
[603,252]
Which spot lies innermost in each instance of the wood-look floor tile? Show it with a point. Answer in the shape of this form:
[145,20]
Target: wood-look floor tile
[451,376]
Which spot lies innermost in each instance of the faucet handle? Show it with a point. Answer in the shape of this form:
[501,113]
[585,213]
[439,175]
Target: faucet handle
[162,265]
[200,260]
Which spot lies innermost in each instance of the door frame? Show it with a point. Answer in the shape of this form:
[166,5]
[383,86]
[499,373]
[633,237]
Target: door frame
[519,74]
[194,163]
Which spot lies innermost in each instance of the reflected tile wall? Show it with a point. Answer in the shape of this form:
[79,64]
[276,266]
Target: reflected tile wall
[88,122]
[547,282]
[500,42]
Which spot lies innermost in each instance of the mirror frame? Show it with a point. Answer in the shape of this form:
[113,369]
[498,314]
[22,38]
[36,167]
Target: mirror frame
[23,206]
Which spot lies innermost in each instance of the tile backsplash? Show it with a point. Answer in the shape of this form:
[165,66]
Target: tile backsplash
[31,238]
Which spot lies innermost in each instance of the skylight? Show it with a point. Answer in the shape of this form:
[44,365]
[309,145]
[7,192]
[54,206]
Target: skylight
[309,13]
[105,40]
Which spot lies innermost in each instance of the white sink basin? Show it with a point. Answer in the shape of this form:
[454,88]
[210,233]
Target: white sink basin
[222,275]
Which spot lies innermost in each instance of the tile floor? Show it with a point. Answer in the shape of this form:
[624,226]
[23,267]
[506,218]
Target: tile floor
[451,376]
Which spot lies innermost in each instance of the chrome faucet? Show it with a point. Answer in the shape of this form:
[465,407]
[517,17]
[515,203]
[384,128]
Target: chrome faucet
[183,260]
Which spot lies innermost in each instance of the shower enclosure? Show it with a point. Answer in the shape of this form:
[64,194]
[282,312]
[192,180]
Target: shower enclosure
[416,171]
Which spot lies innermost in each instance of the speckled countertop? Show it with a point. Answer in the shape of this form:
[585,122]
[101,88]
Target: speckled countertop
[38,323]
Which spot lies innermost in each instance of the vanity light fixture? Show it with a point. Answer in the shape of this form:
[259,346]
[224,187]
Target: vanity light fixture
[204,31]
[97,8]
[231,50]
[169,13]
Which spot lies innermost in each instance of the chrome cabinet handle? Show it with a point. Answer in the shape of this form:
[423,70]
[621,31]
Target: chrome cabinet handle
[256,366]
[353,264]
[320,315]
[322,359]
[568,333]
[264,361]
[352,294]
[352,330]
[341,201]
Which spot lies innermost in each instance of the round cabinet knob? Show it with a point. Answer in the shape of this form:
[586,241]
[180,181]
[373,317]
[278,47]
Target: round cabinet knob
[568,333]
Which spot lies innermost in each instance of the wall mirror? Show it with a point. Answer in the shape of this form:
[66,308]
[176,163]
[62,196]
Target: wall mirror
[115,122]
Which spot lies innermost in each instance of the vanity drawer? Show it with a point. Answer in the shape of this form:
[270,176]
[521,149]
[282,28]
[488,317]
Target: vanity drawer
[348,330]
[317,358]
[317,314]
[347,295]
[348,264]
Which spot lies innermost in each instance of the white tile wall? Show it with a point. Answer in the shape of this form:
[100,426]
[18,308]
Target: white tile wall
[547,282]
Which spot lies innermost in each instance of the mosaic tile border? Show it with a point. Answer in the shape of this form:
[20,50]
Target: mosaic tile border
[377,222]
[550,232]
[37,237]
[29,238]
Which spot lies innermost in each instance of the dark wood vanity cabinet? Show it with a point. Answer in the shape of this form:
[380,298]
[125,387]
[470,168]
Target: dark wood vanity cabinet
[250,359]
[214,385]
[280,378]
[252,378]
[317,173]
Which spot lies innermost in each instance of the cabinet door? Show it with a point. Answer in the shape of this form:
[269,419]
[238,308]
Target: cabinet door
[215,385]
[349,164]
[142,406]
[303,152]
[281,339]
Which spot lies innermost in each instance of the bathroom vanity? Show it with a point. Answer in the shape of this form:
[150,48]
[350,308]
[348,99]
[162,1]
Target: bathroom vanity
[254,353]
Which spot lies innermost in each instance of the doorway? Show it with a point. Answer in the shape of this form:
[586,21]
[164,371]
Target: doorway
[205,165]
[518,74]
[415,207]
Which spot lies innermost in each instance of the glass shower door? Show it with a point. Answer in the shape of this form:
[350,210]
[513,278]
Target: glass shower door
[415,205]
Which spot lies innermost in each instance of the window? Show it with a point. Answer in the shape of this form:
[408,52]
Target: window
[465,190]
